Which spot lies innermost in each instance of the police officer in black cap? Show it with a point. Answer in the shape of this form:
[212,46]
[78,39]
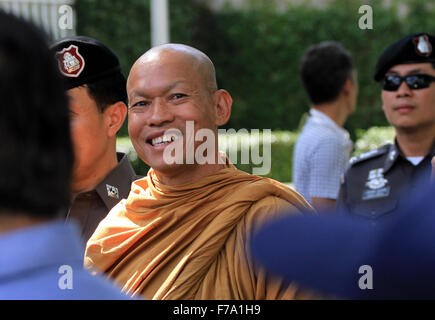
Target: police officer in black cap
[378,181]
[97,101]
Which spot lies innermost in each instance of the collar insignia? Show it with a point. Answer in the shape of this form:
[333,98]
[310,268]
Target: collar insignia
[392,155]
[112,191]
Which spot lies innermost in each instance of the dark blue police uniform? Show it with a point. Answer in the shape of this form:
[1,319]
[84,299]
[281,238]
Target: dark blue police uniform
[378,181]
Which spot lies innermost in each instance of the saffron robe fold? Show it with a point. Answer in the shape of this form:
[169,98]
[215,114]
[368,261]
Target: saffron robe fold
[192,241]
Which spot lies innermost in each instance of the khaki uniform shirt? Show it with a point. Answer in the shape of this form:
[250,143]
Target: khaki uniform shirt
[89,208]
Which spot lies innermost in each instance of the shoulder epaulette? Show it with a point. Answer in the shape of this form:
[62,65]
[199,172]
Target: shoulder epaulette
[369,155]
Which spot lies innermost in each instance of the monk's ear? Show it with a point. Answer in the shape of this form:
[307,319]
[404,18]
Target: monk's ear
[114,116]
[223,102]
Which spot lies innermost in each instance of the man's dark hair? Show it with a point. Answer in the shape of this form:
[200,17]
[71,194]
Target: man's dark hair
[324,69]
[108,91]
[36,154]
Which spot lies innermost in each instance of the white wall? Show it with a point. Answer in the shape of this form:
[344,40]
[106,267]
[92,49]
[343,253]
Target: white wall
[45,14]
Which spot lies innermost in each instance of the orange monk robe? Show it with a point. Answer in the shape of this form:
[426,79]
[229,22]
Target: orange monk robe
[192,241]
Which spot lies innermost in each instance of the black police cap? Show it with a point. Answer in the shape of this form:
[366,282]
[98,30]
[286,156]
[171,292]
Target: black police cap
[414,48]
[83,60]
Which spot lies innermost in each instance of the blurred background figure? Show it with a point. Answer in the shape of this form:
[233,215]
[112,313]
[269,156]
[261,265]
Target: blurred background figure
[41,257]
[350,258]
[97,102]
[323,147]
[380,180]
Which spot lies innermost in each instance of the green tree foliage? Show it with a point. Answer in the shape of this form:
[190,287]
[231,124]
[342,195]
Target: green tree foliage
[257,51]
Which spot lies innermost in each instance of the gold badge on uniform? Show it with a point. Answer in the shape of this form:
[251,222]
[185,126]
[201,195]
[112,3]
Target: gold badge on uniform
[112,191]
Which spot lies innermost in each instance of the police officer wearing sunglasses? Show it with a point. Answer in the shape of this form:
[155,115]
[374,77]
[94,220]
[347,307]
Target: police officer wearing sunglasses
[377,182]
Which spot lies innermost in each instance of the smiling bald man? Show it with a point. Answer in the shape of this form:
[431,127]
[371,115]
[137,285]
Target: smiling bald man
[183,232]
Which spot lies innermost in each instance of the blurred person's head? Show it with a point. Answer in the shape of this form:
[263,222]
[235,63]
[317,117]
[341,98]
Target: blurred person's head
[406,72]
[97,99]
[169,86]
[36,152]
[328,74]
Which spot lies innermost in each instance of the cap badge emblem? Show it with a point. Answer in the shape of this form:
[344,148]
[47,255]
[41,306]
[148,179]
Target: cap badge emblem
[71,62]
[422,45]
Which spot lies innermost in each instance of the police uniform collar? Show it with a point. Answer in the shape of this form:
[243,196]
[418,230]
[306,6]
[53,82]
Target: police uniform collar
[116,186]
[369,155]
[394,152]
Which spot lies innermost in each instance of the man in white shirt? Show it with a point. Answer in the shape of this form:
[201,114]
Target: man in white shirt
[323,147]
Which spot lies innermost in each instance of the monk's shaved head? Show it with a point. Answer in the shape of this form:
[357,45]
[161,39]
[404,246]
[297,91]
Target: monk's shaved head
[172,88]
[195,59]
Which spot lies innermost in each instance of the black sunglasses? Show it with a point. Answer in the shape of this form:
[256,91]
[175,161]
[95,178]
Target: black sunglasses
[413,81]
